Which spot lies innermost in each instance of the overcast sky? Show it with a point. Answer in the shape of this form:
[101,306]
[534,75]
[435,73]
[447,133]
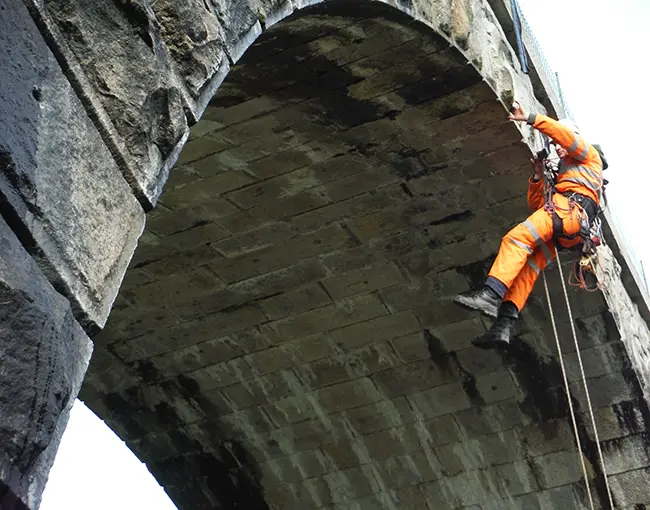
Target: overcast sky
[599,48]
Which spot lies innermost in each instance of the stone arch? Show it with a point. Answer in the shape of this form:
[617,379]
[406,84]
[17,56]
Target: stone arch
[284,337]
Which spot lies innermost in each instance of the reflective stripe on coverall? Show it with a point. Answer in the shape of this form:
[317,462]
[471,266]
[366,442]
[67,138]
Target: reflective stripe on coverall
[529,247]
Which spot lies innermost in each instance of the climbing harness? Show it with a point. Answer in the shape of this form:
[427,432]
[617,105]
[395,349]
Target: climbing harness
[590,226]
[591,233]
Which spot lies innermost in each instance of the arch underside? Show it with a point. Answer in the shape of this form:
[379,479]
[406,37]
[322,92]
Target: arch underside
[285,337]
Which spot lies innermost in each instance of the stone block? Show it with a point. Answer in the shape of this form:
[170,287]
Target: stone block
[203,191]
[44,358]
[257,392]
[133,90]
[458,335]
[211,352]
[278,256]
[558,468]
[517,478]
[294,468]
[325,372]
[567,496]
[247,422]
[359,363]
[412,469]
[185,334]
[251,291]
[440,431]
[546,437]
[458,457]
[219,375]
[374,331]
[478,362]
[363,280]
[350,209]
[187,243]
[248,242]
[270,360]
[240,112]
[460,491]
[489,419]
[199,147]
[393,442]
[306,435]
[290,410]
[412,347]
[308,349]
[58,180]
[597,361]
[347,395]
[497,386]
[350,484]
[327,318]
[293,158]
[378,416]
[173,289]
[445,399]
[289,184]
[198,57]
[626,454]
[411,378]
[362,182]
[287,497]
[603,391]
[345,454]
[281,209]
[631,487]
[411,497]
[295,301]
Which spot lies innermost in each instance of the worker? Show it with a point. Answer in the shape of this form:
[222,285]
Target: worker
[530,246]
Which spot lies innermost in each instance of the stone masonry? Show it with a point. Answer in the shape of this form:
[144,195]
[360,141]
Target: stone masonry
[284,336]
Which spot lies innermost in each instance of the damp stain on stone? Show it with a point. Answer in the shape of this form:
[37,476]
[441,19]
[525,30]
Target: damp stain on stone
[448,362]
[545,400]
[476,272]
[456,217]
[227,470]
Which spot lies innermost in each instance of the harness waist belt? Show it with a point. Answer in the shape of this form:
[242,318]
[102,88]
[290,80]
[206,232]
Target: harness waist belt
[590,207]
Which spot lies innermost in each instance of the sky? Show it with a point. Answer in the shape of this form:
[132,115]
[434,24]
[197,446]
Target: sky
[598,47]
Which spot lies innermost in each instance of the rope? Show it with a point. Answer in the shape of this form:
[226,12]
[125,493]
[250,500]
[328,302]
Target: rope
[584,381]
[568,394]
[579,269]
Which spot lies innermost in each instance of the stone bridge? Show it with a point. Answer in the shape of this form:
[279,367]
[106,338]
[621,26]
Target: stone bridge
[283,337]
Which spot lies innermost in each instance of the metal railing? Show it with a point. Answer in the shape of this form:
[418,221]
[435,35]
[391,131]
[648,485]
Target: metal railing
[535,62]
[546,74]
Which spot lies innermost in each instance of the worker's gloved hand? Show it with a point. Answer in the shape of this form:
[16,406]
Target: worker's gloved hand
[538,167]
[517,113]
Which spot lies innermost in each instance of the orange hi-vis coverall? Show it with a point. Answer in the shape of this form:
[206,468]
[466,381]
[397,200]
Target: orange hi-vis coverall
[529,247]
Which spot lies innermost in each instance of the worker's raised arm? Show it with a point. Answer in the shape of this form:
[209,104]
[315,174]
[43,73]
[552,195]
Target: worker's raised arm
[576,147]
[574,144]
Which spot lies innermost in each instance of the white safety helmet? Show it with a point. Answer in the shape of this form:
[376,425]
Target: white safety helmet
[571,125]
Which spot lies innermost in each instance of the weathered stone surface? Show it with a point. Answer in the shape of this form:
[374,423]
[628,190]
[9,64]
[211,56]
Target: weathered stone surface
[44,355]
[193,35]
[125,73]
[62,190]
[287,338]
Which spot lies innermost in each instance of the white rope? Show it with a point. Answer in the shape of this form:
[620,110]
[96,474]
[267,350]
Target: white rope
[568,393]
[584,381]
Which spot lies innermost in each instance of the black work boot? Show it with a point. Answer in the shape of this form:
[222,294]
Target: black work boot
[503,329]
[485,300]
